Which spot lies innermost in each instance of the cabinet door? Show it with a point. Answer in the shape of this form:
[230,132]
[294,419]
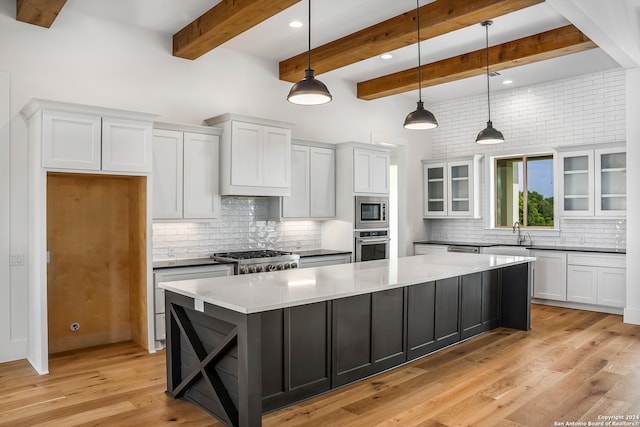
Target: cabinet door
[435,190]
[421,300]
[201,186]
[460,188]
[550,275]
[297,205]
[277,157]
[167,174]
[611,286]
[71,140]
[582,284]
[246,154]
[610,182]
[380,172]
[447,312]
[322,166]
[471,309]
[126,145]
[424,249]
[362,173]
[576,183]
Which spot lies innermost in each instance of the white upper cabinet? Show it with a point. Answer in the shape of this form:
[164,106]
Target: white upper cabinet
[185,172]
[452,188]
[255,156]
[313,184]
[370,171]
[593,182]
[86,138]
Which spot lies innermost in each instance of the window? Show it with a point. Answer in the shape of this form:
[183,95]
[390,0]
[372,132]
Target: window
[524,191]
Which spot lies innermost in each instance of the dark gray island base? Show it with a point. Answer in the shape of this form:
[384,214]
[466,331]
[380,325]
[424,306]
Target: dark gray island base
[237,366]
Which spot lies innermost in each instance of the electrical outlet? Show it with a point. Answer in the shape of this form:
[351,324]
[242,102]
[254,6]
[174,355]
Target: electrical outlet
[172,252]
[17,259]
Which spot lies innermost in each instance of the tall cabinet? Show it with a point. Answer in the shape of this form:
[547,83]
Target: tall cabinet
[105,145]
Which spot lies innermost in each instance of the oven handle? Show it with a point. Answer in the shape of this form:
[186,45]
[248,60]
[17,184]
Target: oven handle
[373,241]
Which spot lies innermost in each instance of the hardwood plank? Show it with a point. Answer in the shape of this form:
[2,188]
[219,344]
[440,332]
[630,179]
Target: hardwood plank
[436,18]
[502,378]
[223,22]
[527,50]
[39,12]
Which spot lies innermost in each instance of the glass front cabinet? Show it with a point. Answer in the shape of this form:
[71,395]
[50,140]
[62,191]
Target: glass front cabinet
[451,188]
[593,182]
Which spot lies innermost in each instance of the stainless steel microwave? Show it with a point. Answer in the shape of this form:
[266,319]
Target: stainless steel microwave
[371,212]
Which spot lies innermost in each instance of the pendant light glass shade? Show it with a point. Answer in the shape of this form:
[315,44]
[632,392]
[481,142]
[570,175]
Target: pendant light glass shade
[420,118]
[489,135]
[309,91]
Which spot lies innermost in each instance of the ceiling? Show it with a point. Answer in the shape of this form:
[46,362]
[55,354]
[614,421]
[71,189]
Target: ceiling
[274,40]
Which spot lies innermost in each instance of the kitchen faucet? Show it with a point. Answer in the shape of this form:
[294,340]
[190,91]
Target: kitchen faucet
[520,238]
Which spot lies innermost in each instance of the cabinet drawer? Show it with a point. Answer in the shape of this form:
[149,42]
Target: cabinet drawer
[597,260]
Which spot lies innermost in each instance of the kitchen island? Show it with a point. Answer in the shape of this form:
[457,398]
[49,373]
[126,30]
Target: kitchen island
[243,345]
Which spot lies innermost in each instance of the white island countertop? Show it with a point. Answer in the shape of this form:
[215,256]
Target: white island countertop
[254,293]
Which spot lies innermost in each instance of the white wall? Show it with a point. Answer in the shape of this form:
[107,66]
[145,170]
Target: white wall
[85,60]
[588,109]
[632,311]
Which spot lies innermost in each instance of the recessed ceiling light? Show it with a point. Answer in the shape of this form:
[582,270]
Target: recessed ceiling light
[295,24]
[507,82]
[386,56]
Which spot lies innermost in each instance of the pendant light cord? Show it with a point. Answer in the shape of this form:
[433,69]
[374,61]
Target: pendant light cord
[486,27]
[419,68]
[309,39]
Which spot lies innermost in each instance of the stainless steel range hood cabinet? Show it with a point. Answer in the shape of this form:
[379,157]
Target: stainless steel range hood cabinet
[255,155]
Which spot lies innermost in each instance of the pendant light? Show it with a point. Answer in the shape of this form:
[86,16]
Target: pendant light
[420,118]
[489,135]
[309,91]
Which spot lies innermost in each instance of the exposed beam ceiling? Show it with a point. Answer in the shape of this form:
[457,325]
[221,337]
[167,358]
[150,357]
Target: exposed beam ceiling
[527,50]
[223,22]
[38,12]
[436,18]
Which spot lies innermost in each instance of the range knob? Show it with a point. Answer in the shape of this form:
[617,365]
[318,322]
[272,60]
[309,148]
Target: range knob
[294,265]
[243,269]
[252,269]
[269,267]
[287,266]
[260,268]
[280,267]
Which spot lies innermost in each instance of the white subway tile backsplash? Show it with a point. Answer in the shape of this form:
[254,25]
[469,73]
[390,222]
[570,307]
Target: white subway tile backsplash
[242,225]
[587,109]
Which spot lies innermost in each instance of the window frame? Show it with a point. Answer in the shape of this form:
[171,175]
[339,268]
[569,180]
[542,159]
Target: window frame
[492,173]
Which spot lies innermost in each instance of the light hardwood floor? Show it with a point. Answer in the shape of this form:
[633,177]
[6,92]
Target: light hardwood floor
[572,366]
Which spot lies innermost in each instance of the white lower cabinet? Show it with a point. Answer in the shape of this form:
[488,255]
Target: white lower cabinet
[550,275]
[428,249]
[180,273]
[598,279]
[322,260]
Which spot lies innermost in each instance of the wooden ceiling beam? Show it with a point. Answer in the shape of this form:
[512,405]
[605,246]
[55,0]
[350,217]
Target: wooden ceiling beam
[38,12]
[223,22]
[436,18]
[539,47]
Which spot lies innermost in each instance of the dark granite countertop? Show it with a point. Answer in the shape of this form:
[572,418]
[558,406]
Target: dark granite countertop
[534,247]
[320,252]
[190,262]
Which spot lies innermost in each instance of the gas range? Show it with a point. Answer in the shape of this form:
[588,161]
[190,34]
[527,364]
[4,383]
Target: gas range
[256,261]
